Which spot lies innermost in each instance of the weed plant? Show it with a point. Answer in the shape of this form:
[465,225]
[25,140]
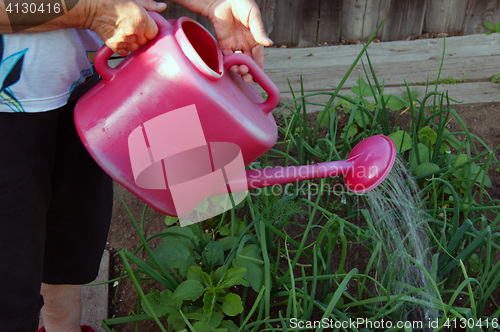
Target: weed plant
[280,261]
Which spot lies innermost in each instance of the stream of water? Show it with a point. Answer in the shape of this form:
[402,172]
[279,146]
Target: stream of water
[398,218]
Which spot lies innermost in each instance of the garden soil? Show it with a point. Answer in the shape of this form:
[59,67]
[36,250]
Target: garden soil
[482,120]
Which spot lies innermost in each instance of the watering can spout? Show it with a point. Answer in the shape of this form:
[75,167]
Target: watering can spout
[365,168]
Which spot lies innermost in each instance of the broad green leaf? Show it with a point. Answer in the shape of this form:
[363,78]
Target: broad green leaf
[482,176]
[344,104]
[188,290]
[460,159]
[412,95]
[184,234]
[353,130]
[488,25]
[231,305]
[161,303]
[361,118]
[497,27]
[217,275]
[215,319]
[423,155]
[176,321]
[457,161]
[228,242]
[255,271]
[362,89]
[213,255]
[229,325]
[427,136]
[224,231]
[169,220]
[425,168]
[199,314]
[209,300]
[195,272]
[401,139]
[173,253]
[393,103]
[202,327]
[239,228]
[232,277]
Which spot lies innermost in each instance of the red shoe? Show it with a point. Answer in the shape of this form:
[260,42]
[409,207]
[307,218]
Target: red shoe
[85,328]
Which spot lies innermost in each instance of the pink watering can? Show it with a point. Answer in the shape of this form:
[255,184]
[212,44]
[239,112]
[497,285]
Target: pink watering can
[174,126]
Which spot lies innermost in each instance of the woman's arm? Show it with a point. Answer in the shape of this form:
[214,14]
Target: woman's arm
[124,25]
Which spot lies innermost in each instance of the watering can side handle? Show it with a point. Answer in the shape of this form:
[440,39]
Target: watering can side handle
[273,93]
[101,63]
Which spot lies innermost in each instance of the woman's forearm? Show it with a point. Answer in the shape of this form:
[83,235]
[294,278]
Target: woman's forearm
[39,15]
[124,25]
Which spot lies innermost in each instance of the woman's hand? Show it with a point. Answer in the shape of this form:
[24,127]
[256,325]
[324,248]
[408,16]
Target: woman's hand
[124,25]
[238,27]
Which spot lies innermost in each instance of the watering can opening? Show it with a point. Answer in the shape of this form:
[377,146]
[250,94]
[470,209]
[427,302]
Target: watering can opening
[200,47]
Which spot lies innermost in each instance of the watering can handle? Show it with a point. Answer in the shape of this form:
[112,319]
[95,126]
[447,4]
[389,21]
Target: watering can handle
[102,56]
[273,93]
[101,63]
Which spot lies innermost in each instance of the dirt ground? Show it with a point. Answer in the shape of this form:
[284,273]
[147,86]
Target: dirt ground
[481,119]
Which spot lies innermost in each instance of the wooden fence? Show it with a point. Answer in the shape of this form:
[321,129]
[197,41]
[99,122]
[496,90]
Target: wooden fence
[305,23]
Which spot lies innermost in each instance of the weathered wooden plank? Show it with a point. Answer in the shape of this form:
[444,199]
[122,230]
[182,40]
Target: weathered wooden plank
[360,18]
[353,13]
[418,61]
[478,12]
[415,74]
[267,8]
[445,16]
[309,21]
[427,51]
[329,21]
[405,19]
[286,22]
[465,93]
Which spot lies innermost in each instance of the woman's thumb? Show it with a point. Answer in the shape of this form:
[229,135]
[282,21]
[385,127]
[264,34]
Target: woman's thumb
[257,28]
